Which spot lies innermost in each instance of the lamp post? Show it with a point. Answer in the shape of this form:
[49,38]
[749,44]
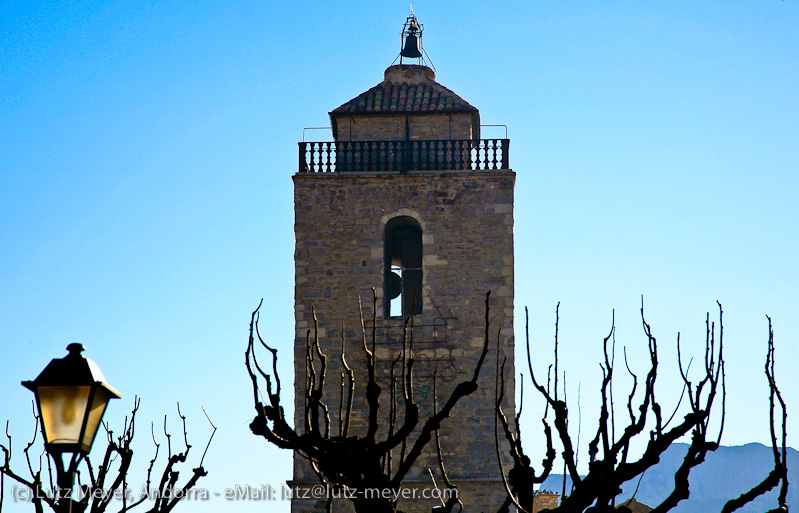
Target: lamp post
[71,396]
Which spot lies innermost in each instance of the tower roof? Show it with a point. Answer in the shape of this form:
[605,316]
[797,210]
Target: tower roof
[406,89]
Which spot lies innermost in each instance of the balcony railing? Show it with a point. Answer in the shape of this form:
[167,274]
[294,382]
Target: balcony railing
[403,156]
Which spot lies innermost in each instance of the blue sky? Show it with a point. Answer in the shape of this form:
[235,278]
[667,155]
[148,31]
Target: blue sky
[147,148]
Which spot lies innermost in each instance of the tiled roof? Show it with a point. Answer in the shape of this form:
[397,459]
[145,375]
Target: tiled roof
[421,93]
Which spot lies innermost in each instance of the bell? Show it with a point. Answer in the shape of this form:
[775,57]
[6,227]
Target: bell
[411,47]
[394,285]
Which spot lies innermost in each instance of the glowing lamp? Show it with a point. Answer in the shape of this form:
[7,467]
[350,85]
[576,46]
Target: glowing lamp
[71,395]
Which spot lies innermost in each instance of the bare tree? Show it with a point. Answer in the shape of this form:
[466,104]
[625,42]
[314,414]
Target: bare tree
[610,460]
[339,457]
[109,480]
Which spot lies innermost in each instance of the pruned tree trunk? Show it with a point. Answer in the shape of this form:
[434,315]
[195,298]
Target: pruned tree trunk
[610,461]
[359,462]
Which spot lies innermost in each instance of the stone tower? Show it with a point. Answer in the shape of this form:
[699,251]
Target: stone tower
[409,200]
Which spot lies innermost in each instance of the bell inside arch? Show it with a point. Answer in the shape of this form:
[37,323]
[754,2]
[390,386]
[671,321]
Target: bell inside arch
[411,47]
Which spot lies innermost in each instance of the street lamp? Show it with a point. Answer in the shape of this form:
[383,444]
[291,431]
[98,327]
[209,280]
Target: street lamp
[71,396]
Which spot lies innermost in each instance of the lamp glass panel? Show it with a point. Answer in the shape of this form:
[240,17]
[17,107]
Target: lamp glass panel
[95,417]
[62,409]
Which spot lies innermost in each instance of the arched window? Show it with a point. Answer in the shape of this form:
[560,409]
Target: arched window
[403,267]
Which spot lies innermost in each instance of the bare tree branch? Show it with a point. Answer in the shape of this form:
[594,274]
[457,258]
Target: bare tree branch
[609,453]
[339,457]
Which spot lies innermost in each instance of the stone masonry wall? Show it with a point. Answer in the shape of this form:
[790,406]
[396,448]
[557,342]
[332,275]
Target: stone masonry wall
[392,127]
[467,235]
[545,501]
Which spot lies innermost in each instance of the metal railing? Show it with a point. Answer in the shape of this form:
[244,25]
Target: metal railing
[403,156]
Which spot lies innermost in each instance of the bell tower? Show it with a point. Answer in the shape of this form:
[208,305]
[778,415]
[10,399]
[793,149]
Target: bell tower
[409,199]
